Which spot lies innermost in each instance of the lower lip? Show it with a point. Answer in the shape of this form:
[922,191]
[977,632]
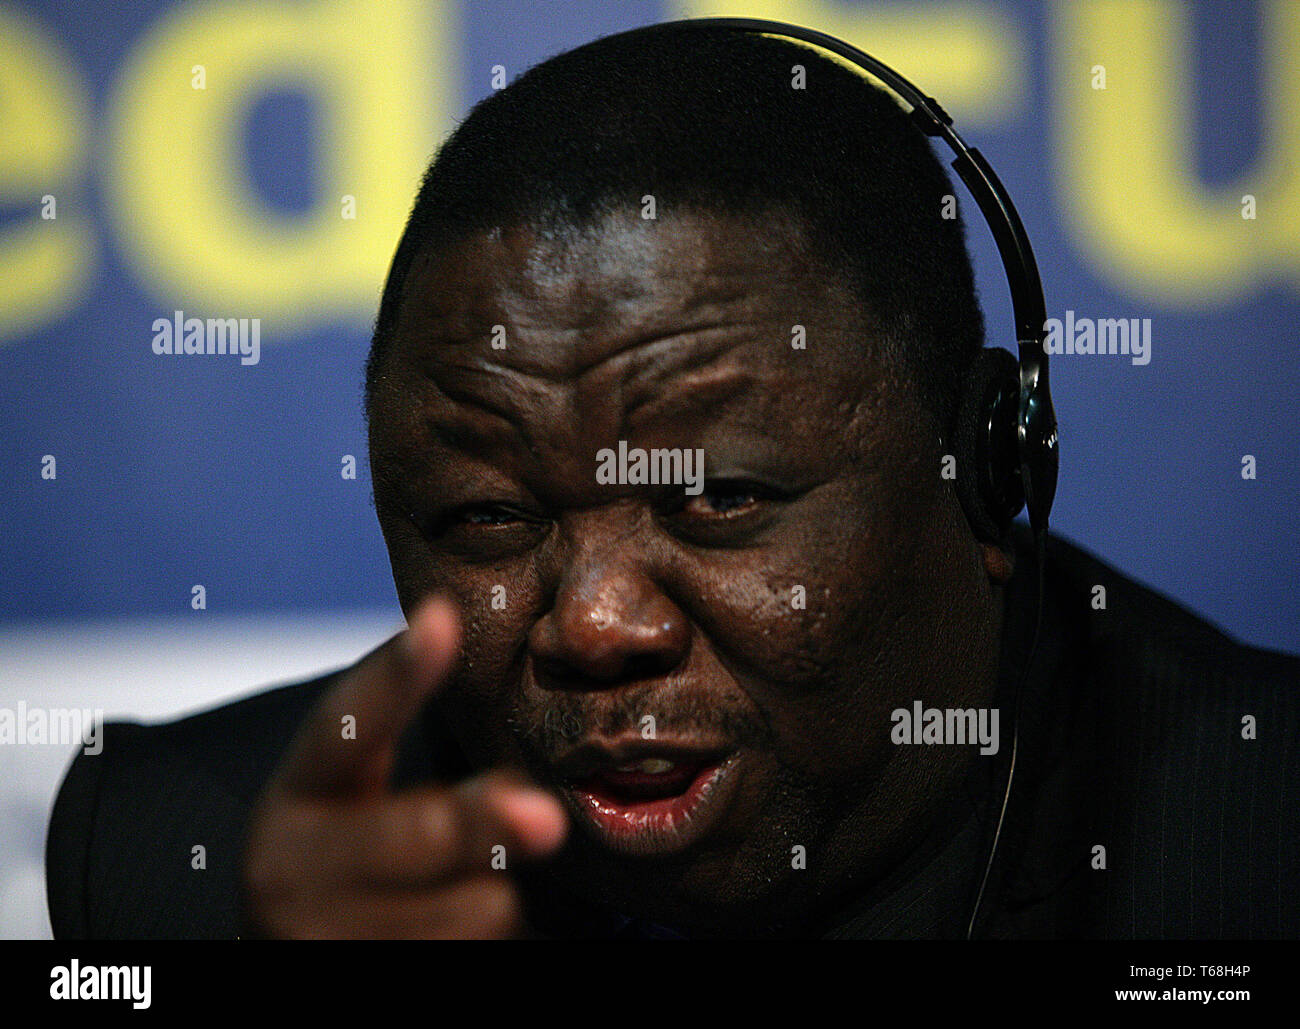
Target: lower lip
[668,825]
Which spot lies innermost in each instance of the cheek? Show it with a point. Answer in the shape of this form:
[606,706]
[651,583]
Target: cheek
[803,611]
[777,621]
[806,630]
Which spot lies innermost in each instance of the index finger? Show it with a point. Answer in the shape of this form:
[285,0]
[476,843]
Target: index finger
[346,744]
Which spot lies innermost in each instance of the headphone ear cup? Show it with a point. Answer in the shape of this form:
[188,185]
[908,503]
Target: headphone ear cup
[986,444]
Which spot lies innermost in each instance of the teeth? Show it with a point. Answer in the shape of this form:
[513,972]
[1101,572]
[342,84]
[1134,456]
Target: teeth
[650,766]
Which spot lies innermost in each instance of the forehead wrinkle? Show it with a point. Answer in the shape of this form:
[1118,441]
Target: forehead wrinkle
[674,389]
[628,305]
[645,364]
[462,394]
[565,364]
[703,404]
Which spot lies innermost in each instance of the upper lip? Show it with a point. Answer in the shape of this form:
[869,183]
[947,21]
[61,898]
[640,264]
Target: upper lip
[591,755]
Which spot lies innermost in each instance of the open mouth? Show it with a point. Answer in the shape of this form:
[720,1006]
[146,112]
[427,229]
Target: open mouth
[653,804]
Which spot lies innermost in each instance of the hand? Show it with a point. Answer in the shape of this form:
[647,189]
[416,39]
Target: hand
[333,853]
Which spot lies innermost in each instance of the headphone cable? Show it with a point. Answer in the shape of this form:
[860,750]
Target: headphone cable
[1040,553]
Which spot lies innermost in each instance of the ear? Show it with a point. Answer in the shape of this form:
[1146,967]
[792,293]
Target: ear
[999,562]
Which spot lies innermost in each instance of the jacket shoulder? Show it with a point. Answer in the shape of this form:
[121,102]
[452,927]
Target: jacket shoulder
[1172,642]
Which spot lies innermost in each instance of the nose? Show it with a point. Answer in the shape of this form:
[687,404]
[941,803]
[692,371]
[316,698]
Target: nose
[609,624]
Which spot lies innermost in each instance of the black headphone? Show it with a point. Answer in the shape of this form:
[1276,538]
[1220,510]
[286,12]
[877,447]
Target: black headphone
[1004,437]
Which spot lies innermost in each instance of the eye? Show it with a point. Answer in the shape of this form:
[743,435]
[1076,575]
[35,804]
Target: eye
[482,518]
[725,498]
[726,513]
[483,514]
[484,530]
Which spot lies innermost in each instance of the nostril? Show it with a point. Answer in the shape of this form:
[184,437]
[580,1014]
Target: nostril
[560,675]
[549,668]
[645,666]
[599,671]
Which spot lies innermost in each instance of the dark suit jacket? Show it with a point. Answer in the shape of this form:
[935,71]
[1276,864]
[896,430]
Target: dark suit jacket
[1131,740]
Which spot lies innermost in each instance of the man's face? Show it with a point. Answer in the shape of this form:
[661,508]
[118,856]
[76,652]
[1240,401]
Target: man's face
[705,679]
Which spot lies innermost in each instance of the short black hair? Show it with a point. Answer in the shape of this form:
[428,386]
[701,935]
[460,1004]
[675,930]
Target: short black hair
[711,118]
